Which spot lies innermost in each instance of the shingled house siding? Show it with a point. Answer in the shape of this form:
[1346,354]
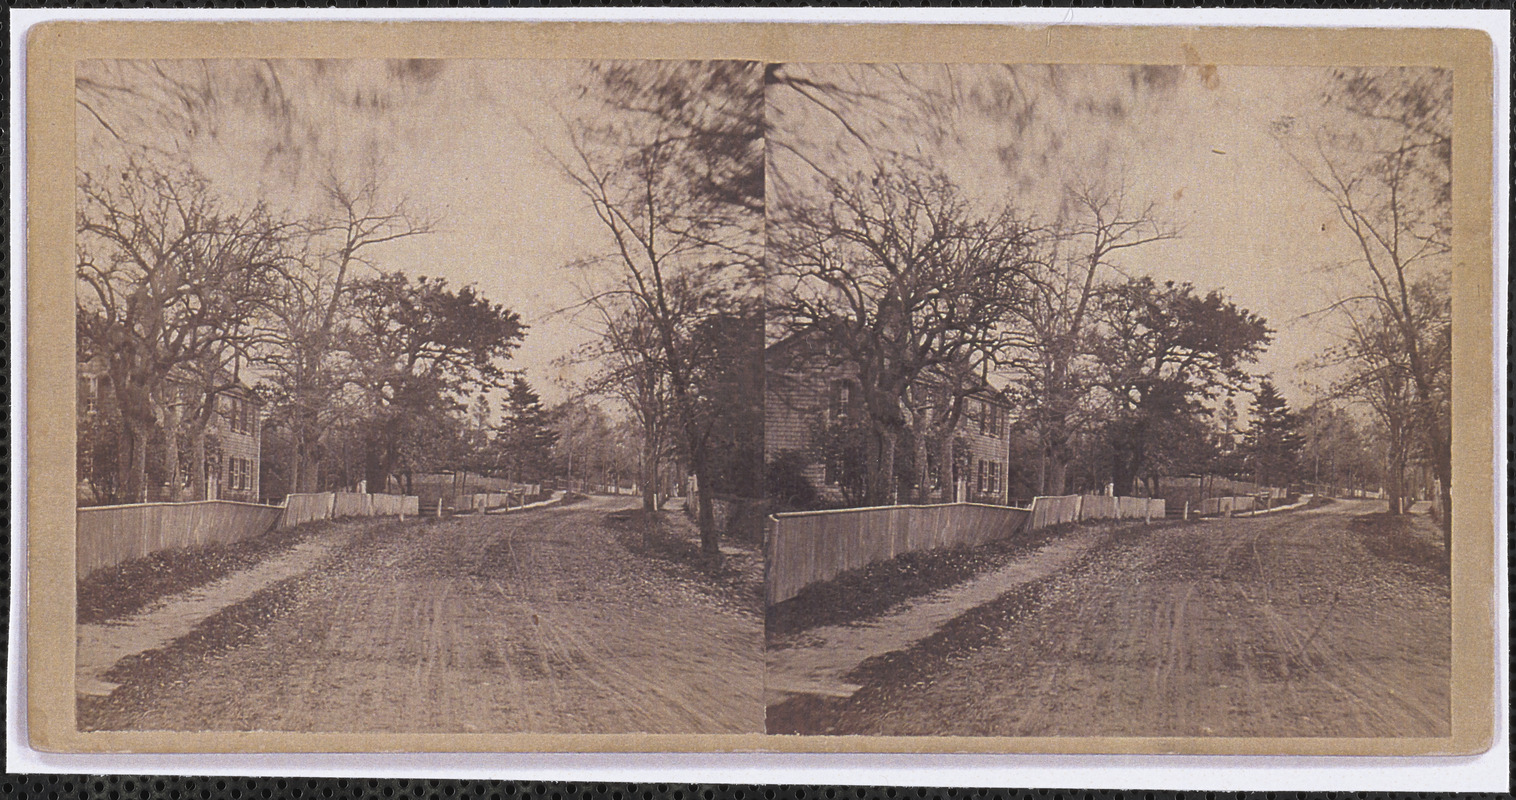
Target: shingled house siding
[238,436]
[798,400]
[794,404]
[990,447]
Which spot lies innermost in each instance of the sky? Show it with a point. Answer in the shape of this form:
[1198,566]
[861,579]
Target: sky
[467,143]
[464,147]
[1199,148]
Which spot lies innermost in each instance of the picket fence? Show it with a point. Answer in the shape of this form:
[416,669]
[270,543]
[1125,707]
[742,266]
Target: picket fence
[109,535]
[1063,509]
[812,546]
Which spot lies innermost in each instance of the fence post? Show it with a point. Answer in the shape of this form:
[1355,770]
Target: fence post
[1186,511]
[439,508]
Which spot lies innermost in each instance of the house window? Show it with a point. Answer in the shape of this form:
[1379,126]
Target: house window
[240,417]
[841,398]
[89,390]
[981,477]
[991,419]
[994,478]
[239,474]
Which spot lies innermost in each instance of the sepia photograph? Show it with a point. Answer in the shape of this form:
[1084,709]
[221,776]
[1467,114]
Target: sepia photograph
[759,390]
[1108,400]
[419,396]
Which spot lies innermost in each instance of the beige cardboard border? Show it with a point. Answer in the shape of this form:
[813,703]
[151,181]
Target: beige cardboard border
[53,47]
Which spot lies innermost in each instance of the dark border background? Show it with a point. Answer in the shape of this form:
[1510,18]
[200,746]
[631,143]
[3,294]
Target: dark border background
[137,787]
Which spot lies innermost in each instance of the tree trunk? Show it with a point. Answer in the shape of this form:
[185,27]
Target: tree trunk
[648,476]
[1442,468]
[1057,475]
[920,445]
[710,538]
[171,453]
[879,486]
[133,461]
[197,463]
[945,476]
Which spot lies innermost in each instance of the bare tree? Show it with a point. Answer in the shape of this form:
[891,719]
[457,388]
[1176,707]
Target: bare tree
[168,278]
[307,367]
[1384,158]
[903,281]
[1053,321]
[627,355]
[683,246]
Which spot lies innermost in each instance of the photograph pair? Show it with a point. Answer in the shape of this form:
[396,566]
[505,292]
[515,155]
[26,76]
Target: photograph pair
[987,402]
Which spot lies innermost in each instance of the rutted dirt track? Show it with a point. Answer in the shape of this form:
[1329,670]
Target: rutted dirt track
[539,621]
[1302,624]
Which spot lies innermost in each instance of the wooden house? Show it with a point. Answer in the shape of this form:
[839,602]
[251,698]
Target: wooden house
[233,438]
[806,392]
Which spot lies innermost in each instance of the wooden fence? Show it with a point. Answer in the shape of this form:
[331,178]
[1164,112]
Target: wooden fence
[299,508]
[813,546]
[487,500]
[1049,511]
[1227,505]
[1199,492]
[109,535]
[302,508]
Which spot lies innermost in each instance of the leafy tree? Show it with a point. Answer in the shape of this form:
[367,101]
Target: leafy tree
[525,436]
[786,484]
[1273,443]
[1164,351]
[843,447]
[729,384]
[420,348]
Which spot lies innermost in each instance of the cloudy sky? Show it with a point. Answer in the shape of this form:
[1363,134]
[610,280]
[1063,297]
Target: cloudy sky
[467,143]
[1195,143]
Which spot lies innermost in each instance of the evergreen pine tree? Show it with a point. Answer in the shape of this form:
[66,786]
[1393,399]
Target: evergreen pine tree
[525,436]
[1274,440]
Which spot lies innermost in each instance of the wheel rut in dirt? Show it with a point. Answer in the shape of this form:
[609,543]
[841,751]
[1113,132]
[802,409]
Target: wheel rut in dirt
[536,621]
[1280,625]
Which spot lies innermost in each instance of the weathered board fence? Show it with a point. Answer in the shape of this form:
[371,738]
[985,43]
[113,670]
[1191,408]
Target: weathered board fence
[811,546]
[487,500]
[1217,506]
[301,508]
[1049,511]
[109,535]
[1202,491]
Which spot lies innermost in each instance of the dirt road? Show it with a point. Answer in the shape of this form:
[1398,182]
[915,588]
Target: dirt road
[536,621]
[1322,622]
